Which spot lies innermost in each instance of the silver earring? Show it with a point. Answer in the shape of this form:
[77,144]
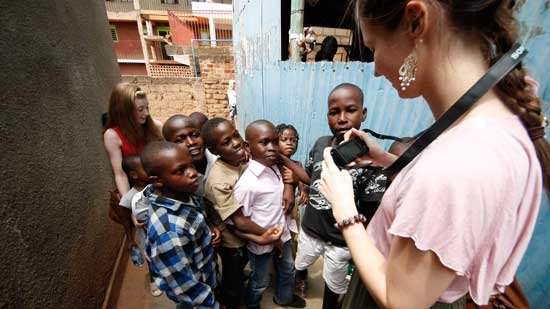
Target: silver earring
[407,71]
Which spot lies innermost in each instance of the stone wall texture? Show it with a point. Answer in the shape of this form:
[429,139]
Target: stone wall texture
[58,244]
[207,94]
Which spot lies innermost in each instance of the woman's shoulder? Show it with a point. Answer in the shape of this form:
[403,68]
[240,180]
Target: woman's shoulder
[158,124]
[479,154]
[111,136]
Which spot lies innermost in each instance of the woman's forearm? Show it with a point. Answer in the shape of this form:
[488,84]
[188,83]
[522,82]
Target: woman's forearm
[369,262]
[121,182]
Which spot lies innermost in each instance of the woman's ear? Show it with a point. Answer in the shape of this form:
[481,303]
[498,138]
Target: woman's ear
[415,17]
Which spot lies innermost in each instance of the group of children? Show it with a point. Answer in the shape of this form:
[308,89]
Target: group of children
[205,193]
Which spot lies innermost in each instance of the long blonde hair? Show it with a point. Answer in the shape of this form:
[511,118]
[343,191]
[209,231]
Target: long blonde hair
[122,111]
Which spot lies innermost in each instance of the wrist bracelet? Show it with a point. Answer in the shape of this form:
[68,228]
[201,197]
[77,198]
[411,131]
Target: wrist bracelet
[350,221]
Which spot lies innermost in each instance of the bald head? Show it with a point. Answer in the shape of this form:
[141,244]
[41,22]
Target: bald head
[154,154]
[200,118]
[175,123]
[258,126]
[350,87]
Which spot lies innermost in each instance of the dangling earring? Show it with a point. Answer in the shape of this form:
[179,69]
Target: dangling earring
[407,71]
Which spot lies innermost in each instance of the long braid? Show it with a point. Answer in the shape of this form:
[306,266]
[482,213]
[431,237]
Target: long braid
[513,89]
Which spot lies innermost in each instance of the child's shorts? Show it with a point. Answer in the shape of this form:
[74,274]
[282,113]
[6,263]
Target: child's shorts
[336,260]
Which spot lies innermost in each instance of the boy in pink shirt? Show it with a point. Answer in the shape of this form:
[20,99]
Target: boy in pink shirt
[260,193]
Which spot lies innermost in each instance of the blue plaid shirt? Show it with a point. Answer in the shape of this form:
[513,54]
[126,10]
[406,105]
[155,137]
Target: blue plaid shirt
[179,249]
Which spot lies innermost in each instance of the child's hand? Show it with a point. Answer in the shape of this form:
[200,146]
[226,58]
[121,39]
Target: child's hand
[136,221]
[288,176]
[271,235]
[216,236]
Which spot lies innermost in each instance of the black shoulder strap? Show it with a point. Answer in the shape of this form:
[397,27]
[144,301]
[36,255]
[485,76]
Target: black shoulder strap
[500,69]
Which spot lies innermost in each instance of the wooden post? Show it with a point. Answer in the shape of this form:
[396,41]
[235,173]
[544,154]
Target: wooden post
[296,28]
[141,39]
[212,26]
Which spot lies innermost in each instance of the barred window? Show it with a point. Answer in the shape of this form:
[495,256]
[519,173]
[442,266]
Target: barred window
[114,35]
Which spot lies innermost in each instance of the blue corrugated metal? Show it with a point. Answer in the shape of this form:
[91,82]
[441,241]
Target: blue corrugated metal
[296,93]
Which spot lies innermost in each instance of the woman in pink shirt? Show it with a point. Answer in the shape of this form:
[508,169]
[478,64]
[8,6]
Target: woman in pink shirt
[459,217]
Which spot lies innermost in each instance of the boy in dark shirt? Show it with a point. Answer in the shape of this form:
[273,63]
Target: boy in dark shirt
[318,235]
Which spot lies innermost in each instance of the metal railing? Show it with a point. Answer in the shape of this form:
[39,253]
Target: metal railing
[165,5]
[216,26]
[119,6]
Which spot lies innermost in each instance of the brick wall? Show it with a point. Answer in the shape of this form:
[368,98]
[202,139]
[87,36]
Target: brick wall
[206,94]
[170,96]
[217,67]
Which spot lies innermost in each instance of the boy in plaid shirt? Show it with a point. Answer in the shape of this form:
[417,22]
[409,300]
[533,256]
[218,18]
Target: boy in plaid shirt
[179,243]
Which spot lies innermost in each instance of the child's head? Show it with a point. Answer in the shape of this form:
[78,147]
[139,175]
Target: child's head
[133,168]
[184,130]
[170,168]
[345,109]
[222,139]
[199,117]
[288,139]
[263,142]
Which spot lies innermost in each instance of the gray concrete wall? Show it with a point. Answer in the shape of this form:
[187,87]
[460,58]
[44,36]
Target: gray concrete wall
[58,66]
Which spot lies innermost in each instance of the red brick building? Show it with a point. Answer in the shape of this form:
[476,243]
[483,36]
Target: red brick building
[153,37]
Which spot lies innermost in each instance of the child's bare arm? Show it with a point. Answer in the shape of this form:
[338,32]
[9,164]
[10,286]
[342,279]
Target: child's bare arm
[271,235]
[245,225]
[288,198]
[296,168]
[304,194]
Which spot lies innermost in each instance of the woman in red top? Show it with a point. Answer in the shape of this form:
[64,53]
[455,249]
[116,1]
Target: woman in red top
[129,128]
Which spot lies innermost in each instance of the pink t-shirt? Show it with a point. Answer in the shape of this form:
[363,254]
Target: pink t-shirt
[472,197]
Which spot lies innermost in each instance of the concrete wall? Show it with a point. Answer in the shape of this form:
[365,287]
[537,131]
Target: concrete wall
[58,245]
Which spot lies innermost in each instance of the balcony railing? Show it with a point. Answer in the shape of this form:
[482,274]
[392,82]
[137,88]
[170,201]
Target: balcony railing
[160,5]
[209,25]
[119,6]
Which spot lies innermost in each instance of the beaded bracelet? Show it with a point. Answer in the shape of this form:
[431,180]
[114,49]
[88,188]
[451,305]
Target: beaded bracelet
[350,221]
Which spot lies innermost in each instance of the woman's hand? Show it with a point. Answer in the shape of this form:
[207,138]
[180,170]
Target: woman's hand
[376,155]
[337,187]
